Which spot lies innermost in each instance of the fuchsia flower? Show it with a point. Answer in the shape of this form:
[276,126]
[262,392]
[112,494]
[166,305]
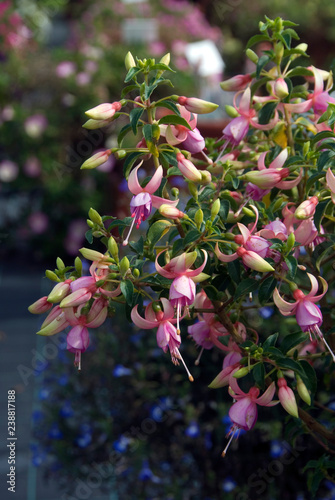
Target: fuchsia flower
[188,169]
[84,288]
[330,179]
[191,140]
[196,105]
[253,248]
[182,290]
[287,398]
[320,98]
[78,337]
[237,82]
[306,231]
[275,229]
[308,315]
[167,334]
[243,413]
[238,128]
[143,200]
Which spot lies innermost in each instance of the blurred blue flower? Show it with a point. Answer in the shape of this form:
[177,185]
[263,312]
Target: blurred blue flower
[44,393]
[331,405]
[156,413]
[38,458]
[55,432]
[37,416]
[266,312]
[276,449]
[121,444]
[192,430]
[146,473]
[63,380]
[208,440]
[84,440]
[228,484]
[121,371]
[66,410]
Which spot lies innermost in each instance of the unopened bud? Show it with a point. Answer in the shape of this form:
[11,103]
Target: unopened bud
[231,111]
[113,248]
[252,56]
[170,212]
[40,306]
[279,51]
[287,398]
[136,273]
[129,61]
[303,391]
[215,208]
[199,217]
[281,88]
[290,242]
[96,160]
[90,223]
[51,275]
[78,265]
[242,372]
[120,154]
[206,177]
[93,255]
[193,190]
[188,169]
[156,131]
[306,147]
[198,106]
[124,266]
[104,111]
[60,264]
[175,192]
[306,209]
[237,82]
[95,216]
[165,59]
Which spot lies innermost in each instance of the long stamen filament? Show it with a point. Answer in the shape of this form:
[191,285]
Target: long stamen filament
[179,356]
[197,361]
[223,454]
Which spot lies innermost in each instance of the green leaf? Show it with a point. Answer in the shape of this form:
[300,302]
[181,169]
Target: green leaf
[322,135]
[206,193]
[211,292]
[149,90]
[128,89]
[266,112]
[134,117]
[157,230]
[169,158]
[132,73]
[138,247]
[191,236]
[127,289]
[162,67]
[292,340]
[174,120]
[258,373]
[270,341]
[89,236]
[246,286]
[319,211]
[147,132]
[171,105]
[262,62]
[266,289]
[173,171]
[299,71]
[292,265]
[257,39]
[234,271]
[120,223]
[313,178]
[122,134]
[129,162]
[224,210]
[290,364]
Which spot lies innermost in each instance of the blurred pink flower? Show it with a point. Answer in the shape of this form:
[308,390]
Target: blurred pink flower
[35,125]
[8,171]
[38,222]
[32,167]
[65,69]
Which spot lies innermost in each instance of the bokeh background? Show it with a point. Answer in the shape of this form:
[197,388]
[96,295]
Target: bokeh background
[130,426]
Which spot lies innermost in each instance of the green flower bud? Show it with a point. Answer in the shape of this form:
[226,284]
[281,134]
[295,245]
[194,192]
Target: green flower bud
[51,275]
[60,264]
[165,59]
[129,61]
[175,192]
[306,148]
[215,208]
[156,307]
[95,217]
[242,372]
[303,391]
[124,266]
[199,217]
[231,111]
[252,56]
[90,223]
[193,190]
[136,273]
[290,242]
[121,153]
[78,265]
[113,248]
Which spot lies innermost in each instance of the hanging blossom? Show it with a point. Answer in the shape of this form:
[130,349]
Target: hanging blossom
[231,362]
[305,231]
[308,315]
[244,413]
[182,290]
[167,335]
[189,139]
[144,199]
[252,251]
[330,179]
[78,337]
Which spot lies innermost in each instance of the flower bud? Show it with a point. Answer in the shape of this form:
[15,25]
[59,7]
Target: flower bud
[195,105]
[165,59]
[96,160]
[129,61]
[267,178]
[120,154]
[90,223]
[231,111]
[94,124]
[303,391]
[113,248]
[281,88]
[193,190]
[104,111]
[253,260]
[93,255]
[199,217]
[279,51]
[170,212]
[242,372]
[252,56]
[175,192]
[306,209]
[287,398]
[136,273]
[59,292]
[206,177]
[215,208]
[237,82]
[78,265]
[95,216]
[51,275]
[290,242]
[41,306]
[188,169]
[124,266]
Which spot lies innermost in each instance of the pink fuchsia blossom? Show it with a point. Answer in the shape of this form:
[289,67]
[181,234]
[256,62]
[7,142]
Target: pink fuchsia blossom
[167,334]
[54,323]
[84,288]
[179,134]
[320,98]
[306,209]
[308,315]
[65,69]
[182,290]
[287,398]
[171,212]
[195,105]
[194,143]
[236,83]
[78,337]
[330,179]
[254,192]
[188,169]
[276,167]
[143,200]
[104,111]
[244,412]
[275,229]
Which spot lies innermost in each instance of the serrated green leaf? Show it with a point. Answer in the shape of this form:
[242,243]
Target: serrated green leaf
[162,67]
[134,117]
[206,194]
[266,289]
[174,120]
[292,340]
[127,289]
[246,286]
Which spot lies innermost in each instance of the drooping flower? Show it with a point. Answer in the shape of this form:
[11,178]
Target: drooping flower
[320,98]
[143,200]
[186,138]
[287,398]
[243,412]
[308,315]
[167,334]
[330,178]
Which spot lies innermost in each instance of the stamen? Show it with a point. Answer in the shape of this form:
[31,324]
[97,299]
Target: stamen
[77,360]
[178,313]
[125,242]
[179,356]
[197,361]
[223,454]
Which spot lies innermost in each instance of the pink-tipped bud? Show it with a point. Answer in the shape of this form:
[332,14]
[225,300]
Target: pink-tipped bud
[281,88]
[287,398]
[188,169]
[238,82]
[195,105]
[306,209]
[170,212]
[254,261]
[104,111]
[96,160]
[267,178]
[59,292]
[54,323]
[41,306]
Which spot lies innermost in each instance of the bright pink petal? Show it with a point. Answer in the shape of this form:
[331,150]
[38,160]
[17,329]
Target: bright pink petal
[182,287]
[141,322]
[157,201]
[195,272]
[261,161]
[299,107]
[175,136]
[155,181]
[279,161]
[244,231]
[286,308]
[84,282]
[161,270]
[76,298]
[71,316]
[78,339]
[168,309]
[315,286]
[285,185]
[97,314]
[244,104]
[163,335]
[266,398]
[223,257]
[318,81]
[111,293]
[244,413]
[235,387]
[133,184]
